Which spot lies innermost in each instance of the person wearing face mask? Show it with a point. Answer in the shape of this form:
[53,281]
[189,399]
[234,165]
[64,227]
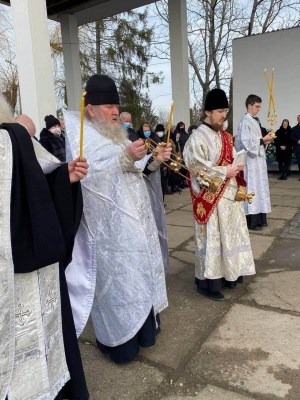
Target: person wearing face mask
[159,136]
[125,118]
[160,131]
[145,132]
[180,128]
[52,139]
[182,137]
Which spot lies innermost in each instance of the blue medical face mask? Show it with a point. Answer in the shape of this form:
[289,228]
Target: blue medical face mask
[126,125]
[147,134]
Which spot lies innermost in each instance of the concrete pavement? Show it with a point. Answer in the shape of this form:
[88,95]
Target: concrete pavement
[246,347]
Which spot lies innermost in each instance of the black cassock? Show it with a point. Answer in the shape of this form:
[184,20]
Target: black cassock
[45,215]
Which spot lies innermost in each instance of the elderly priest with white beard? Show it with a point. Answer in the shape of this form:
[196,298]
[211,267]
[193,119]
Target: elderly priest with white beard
[117,271]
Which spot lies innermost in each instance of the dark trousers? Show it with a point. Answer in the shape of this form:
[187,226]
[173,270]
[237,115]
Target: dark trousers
[284,167]
[298,160]
[254,220]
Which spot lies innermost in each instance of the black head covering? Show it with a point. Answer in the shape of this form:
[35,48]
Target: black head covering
[159,128]
[51,121]
[101,89]
[216,99]
[179,125]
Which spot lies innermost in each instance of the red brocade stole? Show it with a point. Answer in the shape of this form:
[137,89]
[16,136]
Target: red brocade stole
[205,201]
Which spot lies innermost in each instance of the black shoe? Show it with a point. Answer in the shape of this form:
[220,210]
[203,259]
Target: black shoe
[281,178]
[217,296]
[255,228]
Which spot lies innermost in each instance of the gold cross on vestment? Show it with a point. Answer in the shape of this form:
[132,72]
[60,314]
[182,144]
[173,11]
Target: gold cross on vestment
[22,313]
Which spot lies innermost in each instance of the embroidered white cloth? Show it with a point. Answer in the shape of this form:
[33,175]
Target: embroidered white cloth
[224,251]
[32,355]
[117,269]
[256,174]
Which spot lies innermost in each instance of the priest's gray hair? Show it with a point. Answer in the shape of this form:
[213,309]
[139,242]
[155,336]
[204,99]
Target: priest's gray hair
[6,114]
[115,132]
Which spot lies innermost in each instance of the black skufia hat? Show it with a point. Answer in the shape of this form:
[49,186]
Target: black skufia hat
[101,89]
[51,121]
[159,128]
[216,99]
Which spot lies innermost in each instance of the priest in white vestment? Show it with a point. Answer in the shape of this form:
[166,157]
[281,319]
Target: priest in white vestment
[249,138]
[223,252]
[38,346]
[117,271]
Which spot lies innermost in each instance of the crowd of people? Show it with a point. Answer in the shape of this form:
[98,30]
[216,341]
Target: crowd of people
[86,236]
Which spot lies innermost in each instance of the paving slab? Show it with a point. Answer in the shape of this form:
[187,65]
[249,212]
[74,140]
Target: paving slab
[175,266]
[280,290]
[291,183]
[286,201]
[187,207]
[184,325]
[181,218]
[286,191]
[190,246]
[293,229]
[183,282]
[275,226]
[185,256]
[212,393]
[286,252]
[109,381]
[178,235]
[260,244]
[254,350]
[177,201]
[279,212]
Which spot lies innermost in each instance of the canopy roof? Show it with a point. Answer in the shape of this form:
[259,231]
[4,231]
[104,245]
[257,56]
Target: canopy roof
[89,10]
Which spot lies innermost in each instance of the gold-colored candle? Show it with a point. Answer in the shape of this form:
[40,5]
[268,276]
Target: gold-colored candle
[81,125]
[170,121]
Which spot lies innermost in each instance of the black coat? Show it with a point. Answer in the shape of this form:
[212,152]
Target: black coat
[54,144]
[295,136]
[45,215]
[132,135]
[283,139]
[183,137]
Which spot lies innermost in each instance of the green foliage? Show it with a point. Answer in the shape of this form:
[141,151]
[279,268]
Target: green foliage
[118,46]
[271,153]
[137,104]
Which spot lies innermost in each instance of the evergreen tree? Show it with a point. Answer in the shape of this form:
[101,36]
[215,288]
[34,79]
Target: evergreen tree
[119,46]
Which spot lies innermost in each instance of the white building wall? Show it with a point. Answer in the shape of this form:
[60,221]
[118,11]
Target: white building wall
[251,55]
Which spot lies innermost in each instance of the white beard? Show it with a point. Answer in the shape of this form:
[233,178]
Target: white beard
[115,132]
